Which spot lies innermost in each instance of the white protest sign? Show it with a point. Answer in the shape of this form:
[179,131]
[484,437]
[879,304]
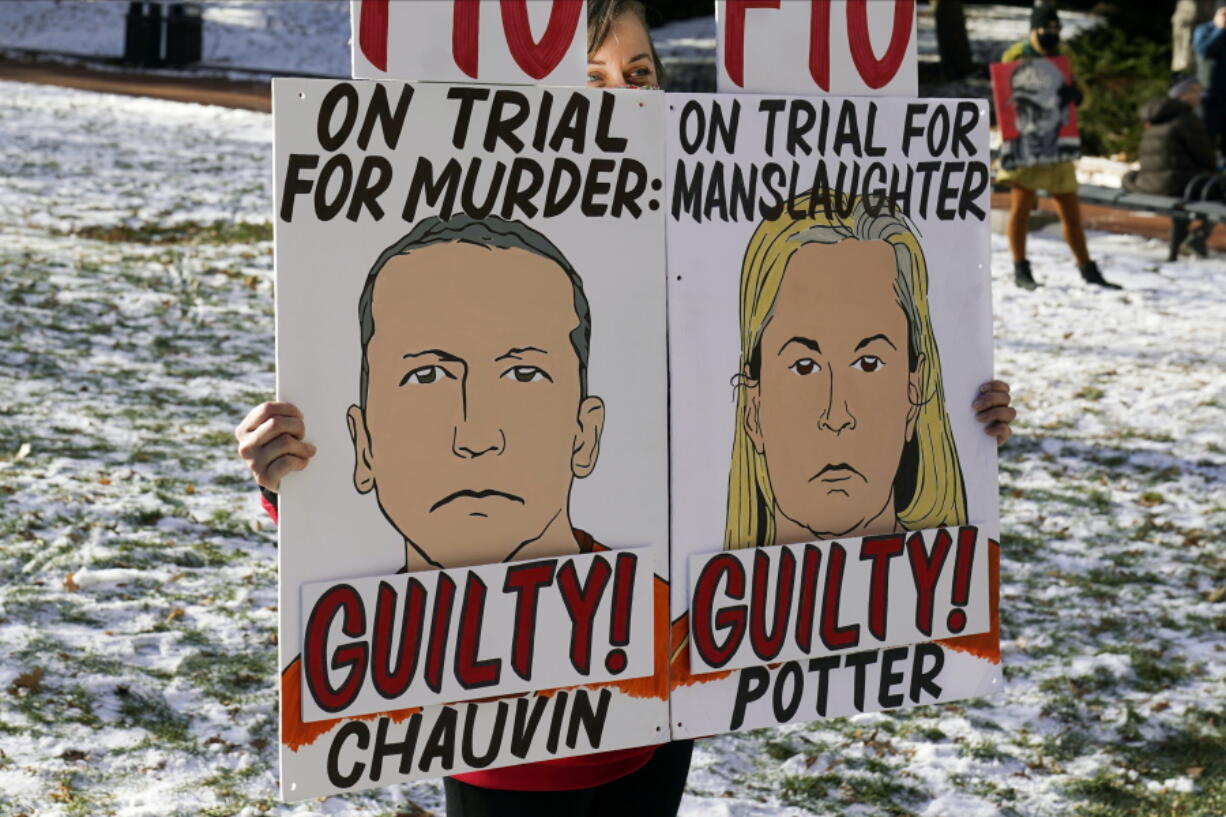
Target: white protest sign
[448,635]
[829,327]
[471,317]
[760,605]
[837,47]
[512,42]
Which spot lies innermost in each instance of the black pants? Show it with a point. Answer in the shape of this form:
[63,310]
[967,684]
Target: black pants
[653,791]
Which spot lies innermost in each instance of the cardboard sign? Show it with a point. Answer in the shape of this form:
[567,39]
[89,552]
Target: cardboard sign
[829,327]
[447,635]
[471,316]
[838,47]
[495,41]
[1038,122]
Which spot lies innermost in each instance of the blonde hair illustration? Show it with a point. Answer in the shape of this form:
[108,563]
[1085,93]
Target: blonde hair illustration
[929,490]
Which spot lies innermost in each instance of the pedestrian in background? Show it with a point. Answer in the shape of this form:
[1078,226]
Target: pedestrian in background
[1209,41]
[1175,152]
[1188,15]
[1059,179]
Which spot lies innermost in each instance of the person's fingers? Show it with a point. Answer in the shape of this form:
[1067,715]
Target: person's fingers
[278,468]
[258,415]
[251,443]
[990,400]
[994,385]
[285,444]
[999,414]
[1001,431]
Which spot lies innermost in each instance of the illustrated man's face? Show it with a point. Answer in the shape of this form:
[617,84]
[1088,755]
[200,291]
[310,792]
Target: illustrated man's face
[474,424]
[1038,114]
[835,401]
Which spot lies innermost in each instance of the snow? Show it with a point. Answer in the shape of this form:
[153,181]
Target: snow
[134,336]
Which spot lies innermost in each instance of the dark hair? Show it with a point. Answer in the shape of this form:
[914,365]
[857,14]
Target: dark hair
[600,17]
[492,233]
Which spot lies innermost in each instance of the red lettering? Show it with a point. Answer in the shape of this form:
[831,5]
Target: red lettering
[961,592]
[766,647]
[806,608]
[619,618]
[834,636]
[819,43]
[465,30]
[372,32]
[880,549]
[470,672]
[526,581]
[436,652]
[734,36]
[581,603]
[729,618]
[878,73]
[925,569]
[538,59]
[345,600]
[388,682]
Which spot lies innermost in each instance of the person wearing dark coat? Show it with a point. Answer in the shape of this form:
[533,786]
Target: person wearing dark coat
[1176,157]
[1209,43]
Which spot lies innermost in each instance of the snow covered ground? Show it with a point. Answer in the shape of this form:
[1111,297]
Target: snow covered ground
[137,572]
[313,37]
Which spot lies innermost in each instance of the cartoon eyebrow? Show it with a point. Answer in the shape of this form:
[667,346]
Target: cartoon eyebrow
[516,353]
[439,353]
[878,336]
[805,342]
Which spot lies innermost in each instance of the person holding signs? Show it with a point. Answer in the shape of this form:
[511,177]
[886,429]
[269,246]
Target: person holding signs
[1057,178]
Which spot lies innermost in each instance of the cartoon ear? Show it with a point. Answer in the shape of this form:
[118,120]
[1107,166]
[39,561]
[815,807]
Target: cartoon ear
[587,441]
[753,418]
[363,466]
[915,393]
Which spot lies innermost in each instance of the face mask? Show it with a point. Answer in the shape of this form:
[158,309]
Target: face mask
[1049,41]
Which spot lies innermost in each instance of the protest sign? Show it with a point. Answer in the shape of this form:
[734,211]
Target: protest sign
[839,47]
[501,41]
[1035,112]
[829,325]
[470,314]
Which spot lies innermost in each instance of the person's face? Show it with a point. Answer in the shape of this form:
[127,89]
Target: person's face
[835,401]
[1192,96]
[624,58]
[474,426]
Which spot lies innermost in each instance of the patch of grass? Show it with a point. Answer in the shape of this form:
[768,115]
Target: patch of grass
[154,715]
[229,676]
[188,232]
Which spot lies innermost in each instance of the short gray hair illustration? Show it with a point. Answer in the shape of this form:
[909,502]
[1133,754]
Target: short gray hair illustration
[492,233]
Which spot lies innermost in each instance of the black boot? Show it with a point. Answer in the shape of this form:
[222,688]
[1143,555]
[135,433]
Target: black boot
[1022,276]
[1091,275]
[1198,239]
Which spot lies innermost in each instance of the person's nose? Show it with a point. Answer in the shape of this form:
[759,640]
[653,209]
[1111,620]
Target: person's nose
[836,416]
[478,431]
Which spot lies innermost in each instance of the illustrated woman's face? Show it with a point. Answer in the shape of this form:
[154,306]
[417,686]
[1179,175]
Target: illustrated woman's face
[835,401]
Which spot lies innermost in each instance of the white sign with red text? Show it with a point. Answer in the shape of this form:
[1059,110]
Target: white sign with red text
[508,42]
[836,47]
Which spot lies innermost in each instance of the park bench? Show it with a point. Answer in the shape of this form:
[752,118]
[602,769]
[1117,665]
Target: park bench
[1197,202]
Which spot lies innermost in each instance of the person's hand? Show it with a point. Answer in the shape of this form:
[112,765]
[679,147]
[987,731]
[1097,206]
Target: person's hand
[1219,17]
[1070,94]
[270,442]
[993,410]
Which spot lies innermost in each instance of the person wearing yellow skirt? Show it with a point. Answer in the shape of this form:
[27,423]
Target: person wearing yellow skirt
[1059,179]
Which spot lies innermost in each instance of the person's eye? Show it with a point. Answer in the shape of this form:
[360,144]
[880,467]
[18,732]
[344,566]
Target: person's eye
[806,366]
[868,363]
[595,79]
[642,76]
[425,375]
[526,374]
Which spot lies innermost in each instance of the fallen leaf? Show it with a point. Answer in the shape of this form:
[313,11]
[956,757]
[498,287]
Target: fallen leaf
[74,755]
[1214,596]
[1018,493]
[1194,771]
[104,481]
[175,614]
[1160,706]
[174,578]
[191,489]
[29,680]
[70,584]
